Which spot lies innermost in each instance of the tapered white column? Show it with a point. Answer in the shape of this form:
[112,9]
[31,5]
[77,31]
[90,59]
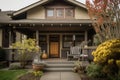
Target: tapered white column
[37,37]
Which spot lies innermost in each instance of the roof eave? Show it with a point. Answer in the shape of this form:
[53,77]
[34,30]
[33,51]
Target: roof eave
[29,7]
[78,3]
[44,1]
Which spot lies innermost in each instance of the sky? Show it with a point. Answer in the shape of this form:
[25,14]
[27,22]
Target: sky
[6,5]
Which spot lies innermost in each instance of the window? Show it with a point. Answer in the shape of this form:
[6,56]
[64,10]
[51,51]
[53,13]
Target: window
[67,41]
[50,13]
[69,12]
[60,12]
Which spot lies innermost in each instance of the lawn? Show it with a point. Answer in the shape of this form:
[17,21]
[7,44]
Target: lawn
[11,74]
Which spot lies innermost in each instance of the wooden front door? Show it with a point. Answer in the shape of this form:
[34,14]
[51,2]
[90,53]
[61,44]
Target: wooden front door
[54,46]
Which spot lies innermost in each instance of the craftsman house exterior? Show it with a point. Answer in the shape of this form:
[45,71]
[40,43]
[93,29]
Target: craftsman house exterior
[56,24]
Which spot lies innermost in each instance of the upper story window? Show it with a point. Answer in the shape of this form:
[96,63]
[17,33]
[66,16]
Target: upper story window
[69,12]
[60,13]
[50,12]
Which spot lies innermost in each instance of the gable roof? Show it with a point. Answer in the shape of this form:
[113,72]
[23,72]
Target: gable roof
[5,16]
[43,2]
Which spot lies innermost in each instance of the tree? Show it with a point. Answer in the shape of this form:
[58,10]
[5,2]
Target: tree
[105,15]
[24,48]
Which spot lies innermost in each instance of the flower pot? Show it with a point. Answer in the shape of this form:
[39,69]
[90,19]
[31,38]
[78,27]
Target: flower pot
[38,67]
[44,55]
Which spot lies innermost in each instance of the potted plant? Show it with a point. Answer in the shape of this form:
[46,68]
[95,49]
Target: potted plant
[44,55]
[38,64]
[25,47]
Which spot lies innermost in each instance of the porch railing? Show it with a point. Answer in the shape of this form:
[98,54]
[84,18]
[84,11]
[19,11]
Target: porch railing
[88,50]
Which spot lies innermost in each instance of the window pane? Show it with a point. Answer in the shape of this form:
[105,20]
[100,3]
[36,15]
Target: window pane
[69,12]
[50,13]
[60,13]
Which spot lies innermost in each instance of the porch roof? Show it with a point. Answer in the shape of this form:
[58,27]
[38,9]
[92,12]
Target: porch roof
[48,21]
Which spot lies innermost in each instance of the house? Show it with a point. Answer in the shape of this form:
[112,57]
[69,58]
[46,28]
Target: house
[56,24]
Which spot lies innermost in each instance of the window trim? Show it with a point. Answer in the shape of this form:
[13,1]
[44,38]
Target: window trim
[73,12]
[47,12]
[61,17]
[57,13]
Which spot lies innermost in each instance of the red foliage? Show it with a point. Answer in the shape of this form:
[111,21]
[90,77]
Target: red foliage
[105,17]
[96,9]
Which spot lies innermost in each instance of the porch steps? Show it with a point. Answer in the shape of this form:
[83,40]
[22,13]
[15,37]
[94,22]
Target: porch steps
[59,66]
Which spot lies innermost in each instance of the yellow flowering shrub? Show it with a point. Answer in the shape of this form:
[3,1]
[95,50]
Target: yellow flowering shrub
[107,51]
[37,73]
[27,45]
[24,47]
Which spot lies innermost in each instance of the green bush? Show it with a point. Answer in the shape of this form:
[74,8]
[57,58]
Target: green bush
[79,67]
[14,66]
[95,71]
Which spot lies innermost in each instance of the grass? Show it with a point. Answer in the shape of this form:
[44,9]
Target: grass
[11,74]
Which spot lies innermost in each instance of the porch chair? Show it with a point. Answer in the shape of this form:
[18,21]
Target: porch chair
[78,52]
[75,53]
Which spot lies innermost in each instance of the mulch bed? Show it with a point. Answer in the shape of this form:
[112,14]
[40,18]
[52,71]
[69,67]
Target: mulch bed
[28,76]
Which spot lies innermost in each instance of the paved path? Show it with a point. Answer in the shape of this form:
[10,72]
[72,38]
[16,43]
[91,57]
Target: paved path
[60,76]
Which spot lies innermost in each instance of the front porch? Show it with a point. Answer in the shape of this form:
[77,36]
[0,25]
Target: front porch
[54,37]
[12,56]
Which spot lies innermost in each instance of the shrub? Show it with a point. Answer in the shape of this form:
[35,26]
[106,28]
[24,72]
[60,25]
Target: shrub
[79,67]
[14,66]
[95,71]
[25,47]
[38,73]
[107,50]
[108,55]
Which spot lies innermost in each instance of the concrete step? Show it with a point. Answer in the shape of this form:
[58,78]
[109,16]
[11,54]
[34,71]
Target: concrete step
[58,69]
[60,65]
[65,62]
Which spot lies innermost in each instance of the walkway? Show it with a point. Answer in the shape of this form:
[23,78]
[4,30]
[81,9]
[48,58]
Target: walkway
[60,76]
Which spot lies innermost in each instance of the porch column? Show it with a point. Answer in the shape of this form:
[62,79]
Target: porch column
[60,45]
[48,45]
[86,36]
[1,37]
[10,38]
[37,37]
